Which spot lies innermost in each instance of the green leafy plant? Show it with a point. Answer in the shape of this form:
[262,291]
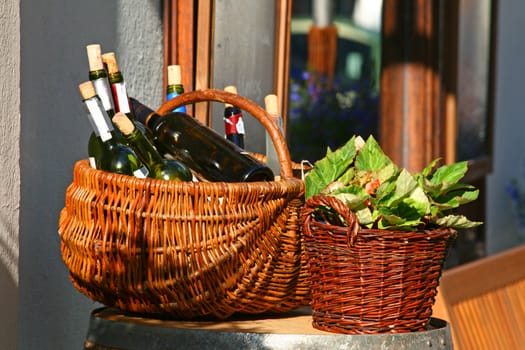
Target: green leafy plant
[384,196]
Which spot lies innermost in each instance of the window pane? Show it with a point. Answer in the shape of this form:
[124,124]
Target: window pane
[333,94]
[473,78]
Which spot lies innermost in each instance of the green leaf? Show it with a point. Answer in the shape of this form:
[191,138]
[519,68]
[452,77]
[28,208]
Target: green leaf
[384,196]
[371,156]
[385,191]
[449,174]
[329,168]
[420,200]
[428,169]
[365,217]
[406,225]
[353,197]
[405,184]
[387,173]
[457,221]
[456,198]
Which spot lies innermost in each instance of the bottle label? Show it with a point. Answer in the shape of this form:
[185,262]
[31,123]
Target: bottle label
[121,98]
[234,124]
[141,173]
[99,119]
[92,162]
[171,96]
[104,93]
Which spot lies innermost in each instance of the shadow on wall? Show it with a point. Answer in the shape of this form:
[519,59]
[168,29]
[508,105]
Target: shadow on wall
[8,284]
[8,305]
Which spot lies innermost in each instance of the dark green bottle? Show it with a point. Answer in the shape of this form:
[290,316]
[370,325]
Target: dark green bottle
[201,148]
[159,168]
[112,156]
[99,77]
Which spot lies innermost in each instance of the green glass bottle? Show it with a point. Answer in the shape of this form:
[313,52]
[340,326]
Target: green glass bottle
[113,156]
[175,87]
[99,77]
[159,168]
[119,91]
[199,147]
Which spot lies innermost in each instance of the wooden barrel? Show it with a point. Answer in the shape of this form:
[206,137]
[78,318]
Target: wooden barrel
[111,329]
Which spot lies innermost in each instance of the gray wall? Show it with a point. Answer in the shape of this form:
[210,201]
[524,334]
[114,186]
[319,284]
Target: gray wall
[502,227]
[54,33]
[9,171]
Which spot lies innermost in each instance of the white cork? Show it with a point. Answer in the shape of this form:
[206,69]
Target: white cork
[174,75]
[123,123]
[271,105]
[110,60]
[87,90]
[94,54]
[231,89]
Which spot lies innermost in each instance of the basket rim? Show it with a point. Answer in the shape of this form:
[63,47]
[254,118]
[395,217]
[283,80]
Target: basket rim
[354,230]
[284,184]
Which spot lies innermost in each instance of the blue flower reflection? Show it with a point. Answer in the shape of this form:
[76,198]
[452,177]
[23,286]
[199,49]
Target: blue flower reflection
[326,113]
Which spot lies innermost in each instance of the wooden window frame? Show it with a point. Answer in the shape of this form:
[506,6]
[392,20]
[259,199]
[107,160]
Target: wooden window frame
[188,41]
[418,88]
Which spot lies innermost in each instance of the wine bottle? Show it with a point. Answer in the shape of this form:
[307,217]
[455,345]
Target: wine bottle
[113,156]
[98,76]
[175,87]
[201,148]
[233,121]
[159,168]
[119,91]
[272,107]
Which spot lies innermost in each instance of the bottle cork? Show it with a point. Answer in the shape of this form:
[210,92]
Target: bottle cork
[94,57]
[110,60]
[123,123]
[271,105]
[231,89]
[174,75]
[87,90]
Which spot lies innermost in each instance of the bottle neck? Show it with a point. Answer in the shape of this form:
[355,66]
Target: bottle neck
[115,77]
[103,90]
[144,114]
[96,74]
[173,91]
[120,96]
[144,149]
[175,88]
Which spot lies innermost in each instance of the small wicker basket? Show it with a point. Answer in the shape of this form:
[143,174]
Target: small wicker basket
[186,249]
[366,281]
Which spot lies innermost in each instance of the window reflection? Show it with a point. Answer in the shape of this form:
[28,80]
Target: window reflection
[473,79]
[334,74]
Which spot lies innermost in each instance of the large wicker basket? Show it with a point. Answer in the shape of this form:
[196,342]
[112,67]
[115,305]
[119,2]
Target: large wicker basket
[366,281]
[187,249]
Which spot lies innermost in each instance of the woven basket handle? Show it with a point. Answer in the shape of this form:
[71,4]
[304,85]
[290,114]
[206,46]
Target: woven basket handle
[246,105]
[349,216]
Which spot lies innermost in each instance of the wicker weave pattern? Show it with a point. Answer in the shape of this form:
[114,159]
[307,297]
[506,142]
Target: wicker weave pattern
[371,281]
[186,249]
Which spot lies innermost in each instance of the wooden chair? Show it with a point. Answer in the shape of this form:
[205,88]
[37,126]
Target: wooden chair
[484,302]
